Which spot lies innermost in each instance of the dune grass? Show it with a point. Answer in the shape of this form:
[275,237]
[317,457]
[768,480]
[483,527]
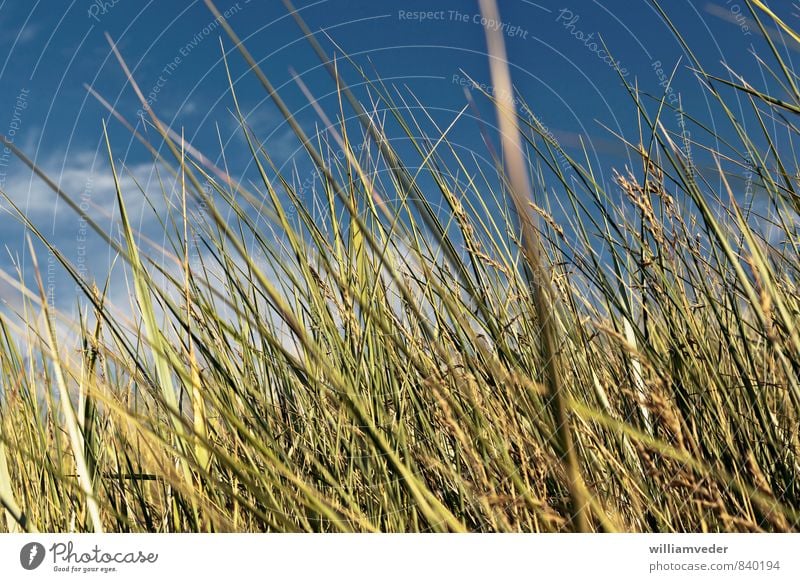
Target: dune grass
[438,349]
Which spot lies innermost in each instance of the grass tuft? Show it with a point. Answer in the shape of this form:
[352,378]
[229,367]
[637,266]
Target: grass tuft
[546,353]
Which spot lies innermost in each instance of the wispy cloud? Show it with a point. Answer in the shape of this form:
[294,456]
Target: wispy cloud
[748,25]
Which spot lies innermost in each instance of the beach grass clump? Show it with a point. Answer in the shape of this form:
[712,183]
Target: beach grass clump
[435,344]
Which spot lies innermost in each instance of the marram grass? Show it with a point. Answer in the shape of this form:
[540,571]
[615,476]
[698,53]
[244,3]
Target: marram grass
[390,365]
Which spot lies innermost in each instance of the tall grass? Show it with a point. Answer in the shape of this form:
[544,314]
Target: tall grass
[390,367]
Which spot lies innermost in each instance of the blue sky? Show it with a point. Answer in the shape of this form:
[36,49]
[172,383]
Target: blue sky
[52,49]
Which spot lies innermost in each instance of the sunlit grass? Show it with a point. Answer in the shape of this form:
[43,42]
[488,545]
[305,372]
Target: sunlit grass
[576,358]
